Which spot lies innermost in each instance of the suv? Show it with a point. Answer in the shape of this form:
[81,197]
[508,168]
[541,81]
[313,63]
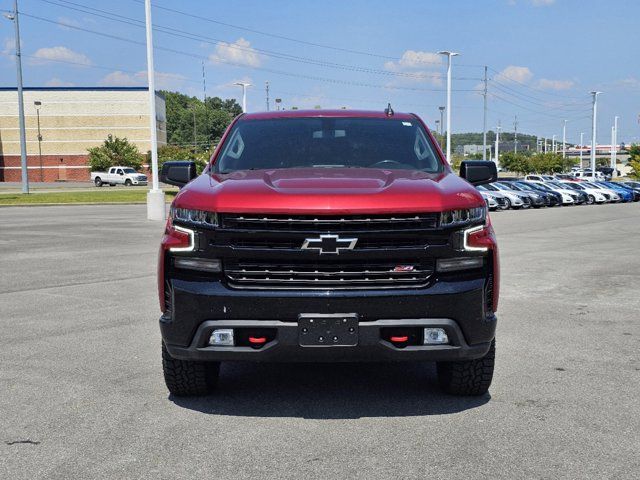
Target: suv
[328,236]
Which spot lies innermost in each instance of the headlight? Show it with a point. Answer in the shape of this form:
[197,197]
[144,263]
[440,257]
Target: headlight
[463,217]
[196,217]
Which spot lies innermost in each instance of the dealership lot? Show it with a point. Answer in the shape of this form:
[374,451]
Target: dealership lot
[82,395]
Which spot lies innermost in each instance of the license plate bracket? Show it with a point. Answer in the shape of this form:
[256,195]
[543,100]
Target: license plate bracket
[328,330]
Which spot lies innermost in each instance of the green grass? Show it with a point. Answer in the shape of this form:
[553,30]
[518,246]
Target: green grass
[97,197]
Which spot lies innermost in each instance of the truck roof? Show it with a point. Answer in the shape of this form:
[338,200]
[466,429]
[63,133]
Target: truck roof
[326,113]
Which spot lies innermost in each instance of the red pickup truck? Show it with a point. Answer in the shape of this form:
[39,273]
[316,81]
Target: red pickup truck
[329,236]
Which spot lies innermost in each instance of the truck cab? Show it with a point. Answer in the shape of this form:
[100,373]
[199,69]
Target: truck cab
[328,236]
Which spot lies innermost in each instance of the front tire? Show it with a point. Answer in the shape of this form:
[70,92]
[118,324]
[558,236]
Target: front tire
[469,377]
[127,183]
[186,378]
[591,200]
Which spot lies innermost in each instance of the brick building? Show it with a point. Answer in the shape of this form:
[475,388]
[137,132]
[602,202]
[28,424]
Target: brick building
[62,123]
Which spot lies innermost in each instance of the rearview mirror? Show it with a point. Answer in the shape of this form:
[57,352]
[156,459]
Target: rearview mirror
[478,172]
[178,173]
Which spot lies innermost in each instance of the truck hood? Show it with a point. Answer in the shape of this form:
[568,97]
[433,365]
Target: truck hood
[328,191]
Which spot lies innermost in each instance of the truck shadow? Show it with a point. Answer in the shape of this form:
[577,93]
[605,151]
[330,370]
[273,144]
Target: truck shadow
[329,391]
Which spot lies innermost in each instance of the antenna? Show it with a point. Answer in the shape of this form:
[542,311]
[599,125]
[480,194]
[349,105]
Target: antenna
[389,111]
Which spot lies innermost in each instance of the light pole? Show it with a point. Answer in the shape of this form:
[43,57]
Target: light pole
[441,120]
[38,104]
[594,118]
[564,139]
[244,94]
[615,145]
[497,162]
[553,144]
[23,134]
[581,147]
[449,55]
[156,208]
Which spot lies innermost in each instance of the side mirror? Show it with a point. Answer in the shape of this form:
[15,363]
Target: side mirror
[178,173]
[478,172]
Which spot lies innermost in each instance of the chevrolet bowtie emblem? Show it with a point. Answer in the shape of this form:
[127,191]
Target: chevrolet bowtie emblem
[329,244]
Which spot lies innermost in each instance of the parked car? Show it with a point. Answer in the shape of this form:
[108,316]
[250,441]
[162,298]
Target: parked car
[586,175]
[538,178]
[500,200]
[624,194]
[594,195]
[126,176]
[491,201]
[582,199]
[308,237]
[514,200]
[569,197]
[632,184]
[607,172]
[537,199]
[635,191]
[554,197]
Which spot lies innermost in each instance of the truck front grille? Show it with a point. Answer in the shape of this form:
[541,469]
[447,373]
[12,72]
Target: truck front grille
[319,276]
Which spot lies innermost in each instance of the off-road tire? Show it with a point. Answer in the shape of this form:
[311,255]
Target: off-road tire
[469,377]
[185,378]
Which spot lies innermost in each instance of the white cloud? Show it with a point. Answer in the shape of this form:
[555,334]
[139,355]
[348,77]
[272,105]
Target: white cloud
[517,74]
[56,82]
[164,81]
[412,59]
[629,82]
[555,84]
[238,52]
[9,46]
[43,56]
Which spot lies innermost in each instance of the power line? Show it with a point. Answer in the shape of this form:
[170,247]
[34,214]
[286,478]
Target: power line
[226,62]
[506,77]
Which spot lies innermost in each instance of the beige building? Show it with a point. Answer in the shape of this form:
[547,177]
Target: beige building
[63,123]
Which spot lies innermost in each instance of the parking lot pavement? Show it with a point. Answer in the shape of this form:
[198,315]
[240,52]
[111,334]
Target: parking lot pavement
[82,396]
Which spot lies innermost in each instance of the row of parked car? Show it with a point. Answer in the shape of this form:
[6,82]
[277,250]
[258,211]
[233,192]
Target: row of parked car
[551,191]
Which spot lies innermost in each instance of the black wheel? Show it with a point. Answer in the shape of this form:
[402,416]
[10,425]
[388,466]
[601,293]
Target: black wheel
[188,378]
[127,183]
[591,200]
[470,377]
[98,182]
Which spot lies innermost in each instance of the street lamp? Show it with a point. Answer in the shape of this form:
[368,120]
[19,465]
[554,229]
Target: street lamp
[449,55]
[244,86]
[594,118]
[581,147]
[564,139]
[38,104]
[441,120]
[156,207]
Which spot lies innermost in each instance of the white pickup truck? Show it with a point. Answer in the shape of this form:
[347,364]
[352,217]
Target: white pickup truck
[118,175]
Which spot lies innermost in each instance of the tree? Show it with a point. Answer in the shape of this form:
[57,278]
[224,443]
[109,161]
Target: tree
[174,152]
[197,124]
[115,151]
[516,162]
[634,160]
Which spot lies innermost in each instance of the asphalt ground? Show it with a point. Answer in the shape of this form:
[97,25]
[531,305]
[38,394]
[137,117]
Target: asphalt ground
[82,395]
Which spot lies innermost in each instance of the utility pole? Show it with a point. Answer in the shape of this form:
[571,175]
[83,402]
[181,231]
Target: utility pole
[441,120]
[564,139]
[553,144]
[581,147]
[156,207]
[497,161]
[484,117]
[515,135]
[594,118]
[449,56]
[266,84]
[23,135]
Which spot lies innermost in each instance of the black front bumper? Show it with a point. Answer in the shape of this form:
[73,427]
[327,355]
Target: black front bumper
[456,306]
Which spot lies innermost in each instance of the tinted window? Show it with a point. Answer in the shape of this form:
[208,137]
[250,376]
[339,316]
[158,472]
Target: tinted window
[328,142]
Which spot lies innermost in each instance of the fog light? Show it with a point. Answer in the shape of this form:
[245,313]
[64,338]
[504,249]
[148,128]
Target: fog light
[435,336]
[222,337]
[461,263]
[202,264]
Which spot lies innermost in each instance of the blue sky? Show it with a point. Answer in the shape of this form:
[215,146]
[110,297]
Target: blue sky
[544,56]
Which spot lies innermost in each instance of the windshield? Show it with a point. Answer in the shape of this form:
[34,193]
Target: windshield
[524,186]
[129,170]
[511,186]
[328,143]
[491,187]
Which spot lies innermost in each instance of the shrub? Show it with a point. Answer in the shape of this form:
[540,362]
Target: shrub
[115,151]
